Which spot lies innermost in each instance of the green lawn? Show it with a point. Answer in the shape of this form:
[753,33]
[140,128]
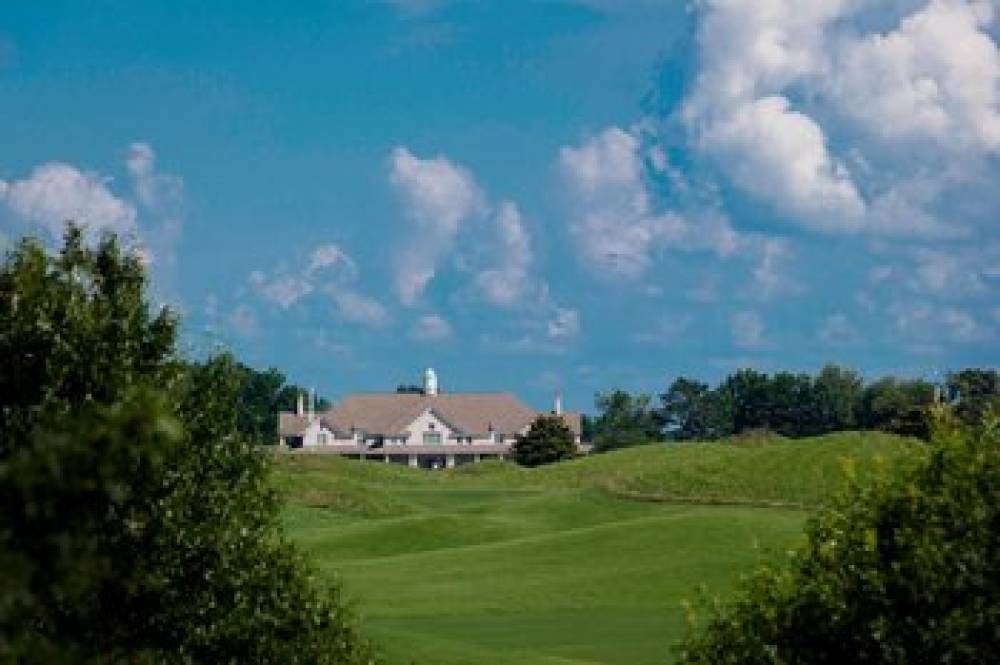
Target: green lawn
[581,562]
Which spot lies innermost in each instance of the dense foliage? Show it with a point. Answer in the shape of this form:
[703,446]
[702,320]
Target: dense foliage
[137,524]
[547,440]
[835,399]
[903,569]
[262,395]
[795,405]
[624,420]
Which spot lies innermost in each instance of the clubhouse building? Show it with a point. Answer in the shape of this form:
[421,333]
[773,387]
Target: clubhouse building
[427,429]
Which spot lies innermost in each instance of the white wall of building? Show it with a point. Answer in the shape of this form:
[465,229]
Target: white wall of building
[428,422]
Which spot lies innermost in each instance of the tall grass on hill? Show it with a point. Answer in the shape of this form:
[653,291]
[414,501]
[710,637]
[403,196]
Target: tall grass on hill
[755,471]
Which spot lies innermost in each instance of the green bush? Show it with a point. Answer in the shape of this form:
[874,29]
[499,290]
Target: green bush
[137,525]
[903,569]
[547,440]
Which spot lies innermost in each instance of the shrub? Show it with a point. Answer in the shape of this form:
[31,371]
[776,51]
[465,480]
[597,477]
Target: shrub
[905,569]
[547,440]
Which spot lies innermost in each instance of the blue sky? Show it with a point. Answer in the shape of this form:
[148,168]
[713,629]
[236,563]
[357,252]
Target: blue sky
[528,196]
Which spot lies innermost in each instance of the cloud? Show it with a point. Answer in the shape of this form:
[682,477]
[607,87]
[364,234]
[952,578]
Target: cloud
[747,330]
[955,273]
[331,271]
[55,193]
[438,196]
[445,207]
[935,78]
[431,328]
[508,283]
[282,290]
[357,308]
[779,78]
[149,222]
[564,324]
[614,224]
[924,325]
[243,320]
[781,155]
[332,257]
[157,191]
[837,330]
[770,275]
[161,197]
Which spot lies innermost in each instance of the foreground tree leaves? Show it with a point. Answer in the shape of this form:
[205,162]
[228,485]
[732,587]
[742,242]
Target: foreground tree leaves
[137,525]
[902,570]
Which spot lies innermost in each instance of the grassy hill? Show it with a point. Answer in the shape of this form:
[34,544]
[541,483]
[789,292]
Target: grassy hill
[581,562]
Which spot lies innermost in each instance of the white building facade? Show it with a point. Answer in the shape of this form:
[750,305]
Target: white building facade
[428,429]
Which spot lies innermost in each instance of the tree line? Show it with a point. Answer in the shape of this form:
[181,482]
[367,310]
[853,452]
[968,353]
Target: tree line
[789,404]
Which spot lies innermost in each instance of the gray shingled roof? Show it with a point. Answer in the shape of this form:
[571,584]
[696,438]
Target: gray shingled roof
[472,414]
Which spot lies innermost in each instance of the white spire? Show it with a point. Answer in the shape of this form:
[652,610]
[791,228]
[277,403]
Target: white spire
[300,409]
[430,382]
[557,404]
[312,404]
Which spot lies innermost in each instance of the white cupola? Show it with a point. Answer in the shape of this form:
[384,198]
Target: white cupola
[430,382]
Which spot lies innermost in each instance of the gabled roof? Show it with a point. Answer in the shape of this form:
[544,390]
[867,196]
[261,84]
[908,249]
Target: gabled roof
[472,414]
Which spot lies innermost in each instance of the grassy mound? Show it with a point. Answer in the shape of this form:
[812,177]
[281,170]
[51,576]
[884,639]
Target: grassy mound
[757,471]
[493,563]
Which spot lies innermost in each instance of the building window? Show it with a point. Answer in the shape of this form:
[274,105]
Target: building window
[497,437]
[321,438]
[432,438]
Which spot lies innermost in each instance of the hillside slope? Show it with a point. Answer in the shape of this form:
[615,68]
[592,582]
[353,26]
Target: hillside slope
[496,564]
[760,471]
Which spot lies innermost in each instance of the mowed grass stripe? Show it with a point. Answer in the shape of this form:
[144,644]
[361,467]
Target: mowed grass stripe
[499,564]
[586,567]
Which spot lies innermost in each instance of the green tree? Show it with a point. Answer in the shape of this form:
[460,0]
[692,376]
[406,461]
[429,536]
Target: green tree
[897,405]
[900,570]
[680,408]
[974,392]
[837,398]
[690,410]
[137,525]
[547,440]
[788,405]
[749,392]
[625,420]
[261,396]
[75,328]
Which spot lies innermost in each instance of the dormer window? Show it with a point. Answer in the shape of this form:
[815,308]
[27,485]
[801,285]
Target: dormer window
[432,438]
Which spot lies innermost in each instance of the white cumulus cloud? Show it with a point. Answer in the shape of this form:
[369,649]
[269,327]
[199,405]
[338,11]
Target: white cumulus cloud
[56,193]
[935,77]
[438,196]
[614,223]
[779,78]
[508,282]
